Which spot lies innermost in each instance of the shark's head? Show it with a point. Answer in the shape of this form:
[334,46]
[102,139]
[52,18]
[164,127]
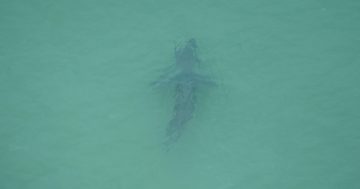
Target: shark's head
[192,43]
[186,56]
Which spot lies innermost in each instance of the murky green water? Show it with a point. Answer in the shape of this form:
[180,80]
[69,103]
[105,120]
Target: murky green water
[77,110]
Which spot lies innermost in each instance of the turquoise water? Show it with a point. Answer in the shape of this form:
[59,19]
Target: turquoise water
[77,110]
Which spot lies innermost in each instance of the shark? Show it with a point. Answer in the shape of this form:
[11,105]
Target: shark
[186,82]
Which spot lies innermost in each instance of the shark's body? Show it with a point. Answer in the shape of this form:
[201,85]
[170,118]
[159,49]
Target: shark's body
[186,83]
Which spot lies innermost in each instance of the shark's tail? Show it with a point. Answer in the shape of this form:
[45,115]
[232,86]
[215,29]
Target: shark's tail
[173,132]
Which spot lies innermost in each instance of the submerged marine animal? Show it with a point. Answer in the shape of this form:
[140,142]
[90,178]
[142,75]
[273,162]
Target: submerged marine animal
[186,83]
